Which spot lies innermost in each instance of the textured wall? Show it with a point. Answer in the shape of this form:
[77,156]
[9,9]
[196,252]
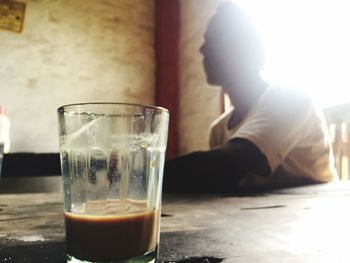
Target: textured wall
[74,51]
[199,103]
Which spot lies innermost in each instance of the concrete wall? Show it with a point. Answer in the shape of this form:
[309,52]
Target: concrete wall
[73,51]
[199,103]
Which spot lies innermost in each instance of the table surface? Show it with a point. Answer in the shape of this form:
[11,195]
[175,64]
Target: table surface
[304,224]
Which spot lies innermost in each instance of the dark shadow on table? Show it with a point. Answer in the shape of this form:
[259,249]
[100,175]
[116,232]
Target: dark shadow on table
[55,252]
[48,252]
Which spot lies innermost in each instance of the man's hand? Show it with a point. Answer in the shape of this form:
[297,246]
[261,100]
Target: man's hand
[216,171]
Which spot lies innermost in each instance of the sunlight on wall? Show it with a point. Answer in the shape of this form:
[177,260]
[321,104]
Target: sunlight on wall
[307,44]
[70,52]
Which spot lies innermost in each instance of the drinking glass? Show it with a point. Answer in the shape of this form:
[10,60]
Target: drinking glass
[112,159]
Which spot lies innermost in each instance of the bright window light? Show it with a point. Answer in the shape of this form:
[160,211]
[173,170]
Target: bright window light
[307,44]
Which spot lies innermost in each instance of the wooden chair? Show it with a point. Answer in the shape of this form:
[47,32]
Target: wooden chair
[338,120]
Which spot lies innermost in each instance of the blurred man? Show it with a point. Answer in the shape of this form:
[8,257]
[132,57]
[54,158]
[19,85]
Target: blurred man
[274,136]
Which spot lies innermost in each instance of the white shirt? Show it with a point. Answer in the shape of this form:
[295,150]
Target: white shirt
[289,130]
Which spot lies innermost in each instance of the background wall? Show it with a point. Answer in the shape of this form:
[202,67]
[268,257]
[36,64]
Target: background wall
[199,103]
[74,51]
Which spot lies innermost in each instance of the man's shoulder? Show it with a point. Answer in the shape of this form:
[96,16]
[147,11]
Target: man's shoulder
[284,98]
[289,93]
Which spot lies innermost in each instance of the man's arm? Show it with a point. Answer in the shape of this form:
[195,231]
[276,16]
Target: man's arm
[215,171]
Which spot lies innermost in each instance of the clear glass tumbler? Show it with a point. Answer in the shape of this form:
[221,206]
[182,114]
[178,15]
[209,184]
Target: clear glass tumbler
[112,159]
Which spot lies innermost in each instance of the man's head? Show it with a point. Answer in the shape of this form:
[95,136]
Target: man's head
[232,47]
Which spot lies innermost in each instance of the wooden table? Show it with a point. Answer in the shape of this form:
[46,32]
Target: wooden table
[305,224]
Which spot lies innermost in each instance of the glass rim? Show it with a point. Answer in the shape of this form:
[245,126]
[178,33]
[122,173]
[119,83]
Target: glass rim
[62,108]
